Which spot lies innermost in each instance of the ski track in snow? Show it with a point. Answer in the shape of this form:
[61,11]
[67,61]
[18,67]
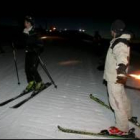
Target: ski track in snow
[68,106]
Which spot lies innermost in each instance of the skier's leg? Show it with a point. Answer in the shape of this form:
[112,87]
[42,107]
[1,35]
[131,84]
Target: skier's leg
[37,77]
[28,64]
[34,66]
[30,78]
[116,102]
[127,104]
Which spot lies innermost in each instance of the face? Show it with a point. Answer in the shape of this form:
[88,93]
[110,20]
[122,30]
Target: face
[27,24]
[113,34]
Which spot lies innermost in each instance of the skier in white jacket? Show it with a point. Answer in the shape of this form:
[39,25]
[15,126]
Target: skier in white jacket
[115,74]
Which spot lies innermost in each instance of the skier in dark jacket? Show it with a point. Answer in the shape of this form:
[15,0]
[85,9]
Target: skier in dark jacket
[33,48]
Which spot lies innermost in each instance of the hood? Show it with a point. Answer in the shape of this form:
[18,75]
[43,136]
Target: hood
[125,36]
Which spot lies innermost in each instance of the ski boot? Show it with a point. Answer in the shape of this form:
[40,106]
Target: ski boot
[113,131]
[39,86]
[30,87]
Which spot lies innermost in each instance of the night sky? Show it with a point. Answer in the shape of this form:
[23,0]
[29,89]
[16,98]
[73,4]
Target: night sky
[73,15]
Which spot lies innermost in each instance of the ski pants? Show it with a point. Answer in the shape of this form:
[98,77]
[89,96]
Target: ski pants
[31,65]
[120,104]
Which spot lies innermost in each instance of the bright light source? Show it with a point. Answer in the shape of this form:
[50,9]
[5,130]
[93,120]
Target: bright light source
[50,30]
[54,28]
[43,37]
[65,29]
[83,30]
[135,76]
[80,30]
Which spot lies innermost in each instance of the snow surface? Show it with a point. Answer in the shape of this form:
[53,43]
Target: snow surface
[75,73]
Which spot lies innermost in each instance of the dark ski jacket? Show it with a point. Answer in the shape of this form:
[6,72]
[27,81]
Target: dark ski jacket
[32,41]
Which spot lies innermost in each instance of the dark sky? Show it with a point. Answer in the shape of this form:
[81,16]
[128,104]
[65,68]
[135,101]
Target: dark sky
[88,15]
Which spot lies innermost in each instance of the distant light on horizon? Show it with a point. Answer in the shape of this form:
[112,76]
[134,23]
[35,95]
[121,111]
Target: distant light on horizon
[43,37]
[54,28]
[89,24]
[81,30]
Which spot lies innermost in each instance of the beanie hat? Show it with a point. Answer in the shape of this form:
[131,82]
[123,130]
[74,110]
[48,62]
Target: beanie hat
[118,26]
[29,19]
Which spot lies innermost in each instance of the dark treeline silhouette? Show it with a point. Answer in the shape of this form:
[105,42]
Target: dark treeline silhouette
[96,43]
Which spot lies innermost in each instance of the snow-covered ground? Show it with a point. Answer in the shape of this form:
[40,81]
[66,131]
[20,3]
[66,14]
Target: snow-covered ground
[75,73]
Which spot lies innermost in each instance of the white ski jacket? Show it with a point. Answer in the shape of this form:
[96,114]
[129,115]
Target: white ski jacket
[116,55]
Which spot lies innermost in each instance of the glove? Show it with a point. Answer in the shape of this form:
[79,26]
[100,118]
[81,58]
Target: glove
[121,69]
[121,74]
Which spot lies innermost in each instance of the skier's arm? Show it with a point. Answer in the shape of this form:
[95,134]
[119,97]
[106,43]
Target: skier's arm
[121,53]
[39,46]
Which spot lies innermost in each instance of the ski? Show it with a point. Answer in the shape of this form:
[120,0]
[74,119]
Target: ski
[31,96]
[66,130]
[14,98]
[99,101]
[108,107]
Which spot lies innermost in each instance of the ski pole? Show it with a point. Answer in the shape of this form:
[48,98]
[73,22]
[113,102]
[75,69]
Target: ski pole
[14,54]
[47,72]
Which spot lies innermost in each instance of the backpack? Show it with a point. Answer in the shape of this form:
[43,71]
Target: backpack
[120,40]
